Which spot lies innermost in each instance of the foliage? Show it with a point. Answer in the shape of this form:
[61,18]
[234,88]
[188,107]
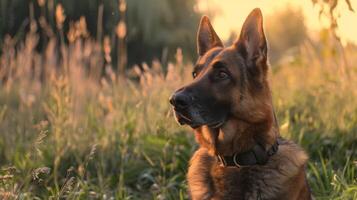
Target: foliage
[161,25]
[286,31]
[72,128]
[328,9]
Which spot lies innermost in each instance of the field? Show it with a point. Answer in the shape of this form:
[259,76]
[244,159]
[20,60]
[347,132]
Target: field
[73,130]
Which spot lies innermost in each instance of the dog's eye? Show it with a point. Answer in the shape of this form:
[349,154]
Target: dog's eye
[194,74]
[222,75]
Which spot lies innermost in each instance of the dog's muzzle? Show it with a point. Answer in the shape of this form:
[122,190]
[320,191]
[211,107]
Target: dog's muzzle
[188,111]
[180,100]
[181,103]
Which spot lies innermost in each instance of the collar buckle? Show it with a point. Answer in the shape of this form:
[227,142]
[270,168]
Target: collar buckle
[235,161]
[256,156]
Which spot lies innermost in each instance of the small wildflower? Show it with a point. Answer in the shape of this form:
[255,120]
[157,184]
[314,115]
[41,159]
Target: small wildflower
[81,170]
[10,170]
[122,6]
[93,194]
[60,16]
[41,3]
[107,49]
[179,56]
[69,185]
[121,29]
[77,30]
[40,174]
[92,152]
[6,177]
[137,70]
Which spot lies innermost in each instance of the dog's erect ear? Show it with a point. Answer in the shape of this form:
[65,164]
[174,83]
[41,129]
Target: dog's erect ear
[252,42]
[207,38]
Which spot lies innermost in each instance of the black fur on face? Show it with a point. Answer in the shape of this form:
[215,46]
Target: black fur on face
[202,101]
[223,75]
[200,106]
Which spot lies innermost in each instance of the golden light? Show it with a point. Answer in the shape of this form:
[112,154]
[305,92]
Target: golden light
[230,14]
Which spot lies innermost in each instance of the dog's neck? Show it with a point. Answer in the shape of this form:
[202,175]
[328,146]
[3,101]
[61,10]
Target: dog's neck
[238,135]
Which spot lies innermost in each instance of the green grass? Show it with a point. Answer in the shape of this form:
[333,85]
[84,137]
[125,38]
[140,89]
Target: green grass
[73,136]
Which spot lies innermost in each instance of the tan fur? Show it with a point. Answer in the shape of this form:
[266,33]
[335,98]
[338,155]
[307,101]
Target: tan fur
[281,178]
[250,121]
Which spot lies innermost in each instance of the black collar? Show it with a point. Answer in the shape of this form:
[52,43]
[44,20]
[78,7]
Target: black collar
[256,156]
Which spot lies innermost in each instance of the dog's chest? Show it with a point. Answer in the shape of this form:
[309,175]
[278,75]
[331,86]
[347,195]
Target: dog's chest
[207,180]
[229,182]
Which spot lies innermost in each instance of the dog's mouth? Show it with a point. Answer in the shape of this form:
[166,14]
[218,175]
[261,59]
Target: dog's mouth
[184,118]
[217,124]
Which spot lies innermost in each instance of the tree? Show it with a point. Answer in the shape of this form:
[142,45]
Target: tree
[156,25]
[328,9]
[153,26]
[285,30]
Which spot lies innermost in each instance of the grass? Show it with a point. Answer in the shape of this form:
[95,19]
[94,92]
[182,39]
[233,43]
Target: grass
[69,131]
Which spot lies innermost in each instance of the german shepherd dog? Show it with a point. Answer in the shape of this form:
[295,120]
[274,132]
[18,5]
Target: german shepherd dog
[229,106]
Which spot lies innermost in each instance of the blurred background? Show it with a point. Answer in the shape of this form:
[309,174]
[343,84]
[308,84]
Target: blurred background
[84,88]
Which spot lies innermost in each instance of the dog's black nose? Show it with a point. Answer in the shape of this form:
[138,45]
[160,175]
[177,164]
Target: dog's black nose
[180,100]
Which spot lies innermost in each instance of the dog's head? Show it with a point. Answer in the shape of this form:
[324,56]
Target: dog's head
[228,82]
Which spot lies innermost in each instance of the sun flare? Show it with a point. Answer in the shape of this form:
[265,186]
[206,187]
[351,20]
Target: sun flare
[229,15]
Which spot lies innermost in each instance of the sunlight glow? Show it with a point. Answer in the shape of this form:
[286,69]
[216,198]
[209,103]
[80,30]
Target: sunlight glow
[230,14]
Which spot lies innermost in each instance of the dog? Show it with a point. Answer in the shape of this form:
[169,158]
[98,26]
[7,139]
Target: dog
[229,106]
